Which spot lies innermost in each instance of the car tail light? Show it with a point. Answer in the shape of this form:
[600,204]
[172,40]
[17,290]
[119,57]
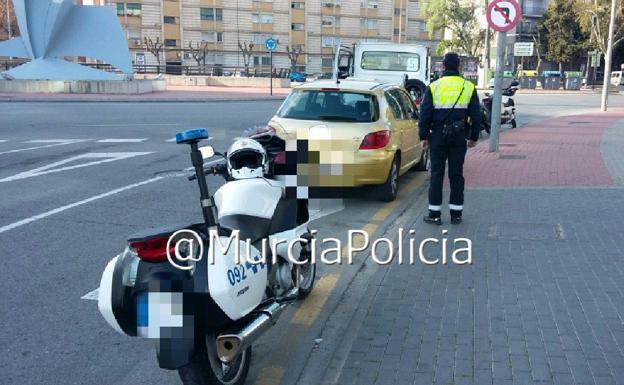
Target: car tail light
[280,157]
[375,140]
[153,250]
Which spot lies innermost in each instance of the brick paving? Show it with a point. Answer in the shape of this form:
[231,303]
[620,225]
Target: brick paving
[562,151]
[543,302]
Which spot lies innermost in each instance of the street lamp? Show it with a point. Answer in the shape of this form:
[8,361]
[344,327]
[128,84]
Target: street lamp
[8,18]
[609,55]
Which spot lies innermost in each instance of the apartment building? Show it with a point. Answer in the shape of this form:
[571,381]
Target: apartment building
[314,26]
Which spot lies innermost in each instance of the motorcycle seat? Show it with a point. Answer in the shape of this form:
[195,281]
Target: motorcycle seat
[250,227]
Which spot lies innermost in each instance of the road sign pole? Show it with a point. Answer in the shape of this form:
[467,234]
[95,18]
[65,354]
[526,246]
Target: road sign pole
[271,58]
[609,55]
[495,124]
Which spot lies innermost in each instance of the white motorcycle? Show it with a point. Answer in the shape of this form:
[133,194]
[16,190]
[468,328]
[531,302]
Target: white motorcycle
[205,313]
[508,108]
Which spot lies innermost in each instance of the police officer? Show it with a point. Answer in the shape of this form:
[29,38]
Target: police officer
[450,121]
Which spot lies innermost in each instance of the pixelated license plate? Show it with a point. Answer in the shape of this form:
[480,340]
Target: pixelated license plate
[156,311]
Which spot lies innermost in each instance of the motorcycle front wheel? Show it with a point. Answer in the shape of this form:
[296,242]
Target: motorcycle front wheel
[206,368]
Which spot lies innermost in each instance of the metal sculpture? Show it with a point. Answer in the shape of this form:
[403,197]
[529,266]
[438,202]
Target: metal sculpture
[54,29]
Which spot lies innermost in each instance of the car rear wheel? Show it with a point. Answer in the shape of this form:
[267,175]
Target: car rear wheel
[389,190]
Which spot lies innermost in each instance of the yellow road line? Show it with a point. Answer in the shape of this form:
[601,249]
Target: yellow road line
[270,375]
[313,304]
[386,210]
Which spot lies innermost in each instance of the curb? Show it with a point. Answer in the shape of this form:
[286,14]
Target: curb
[187,100]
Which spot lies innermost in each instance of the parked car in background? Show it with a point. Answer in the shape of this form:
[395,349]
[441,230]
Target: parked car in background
[358,133]
[297,77]
[617,78]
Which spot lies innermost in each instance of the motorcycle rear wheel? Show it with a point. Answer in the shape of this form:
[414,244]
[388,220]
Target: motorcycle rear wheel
[206,369]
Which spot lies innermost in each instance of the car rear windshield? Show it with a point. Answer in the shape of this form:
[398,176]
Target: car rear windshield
[390,61]
[330,105]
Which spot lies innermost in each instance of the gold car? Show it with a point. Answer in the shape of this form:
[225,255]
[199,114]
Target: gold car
[354,133]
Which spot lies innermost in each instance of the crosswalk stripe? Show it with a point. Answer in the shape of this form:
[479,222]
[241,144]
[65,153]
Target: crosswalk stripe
[127,140]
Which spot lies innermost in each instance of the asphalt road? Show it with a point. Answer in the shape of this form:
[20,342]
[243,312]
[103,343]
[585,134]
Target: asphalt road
[77,178]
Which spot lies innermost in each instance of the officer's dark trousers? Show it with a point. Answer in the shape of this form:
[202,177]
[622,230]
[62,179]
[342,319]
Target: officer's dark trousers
[443,148]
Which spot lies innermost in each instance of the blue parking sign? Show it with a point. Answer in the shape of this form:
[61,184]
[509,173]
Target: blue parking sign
[271,44]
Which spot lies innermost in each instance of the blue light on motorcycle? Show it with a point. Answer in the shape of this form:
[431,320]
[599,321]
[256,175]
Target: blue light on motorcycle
[192,135]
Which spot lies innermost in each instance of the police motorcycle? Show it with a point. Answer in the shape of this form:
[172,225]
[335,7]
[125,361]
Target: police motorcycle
[205,315]
[508,108]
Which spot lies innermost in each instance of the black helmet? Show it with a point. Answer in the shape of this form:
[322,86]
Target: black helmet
[451,61]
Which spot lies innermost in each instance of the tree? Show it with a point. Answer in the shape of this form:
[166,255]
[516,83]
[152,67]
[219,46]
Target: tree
[4,26]
[564,38]
[247,50]
[293,56]
[459,17]
[155,47]
[198,52]
[593,17]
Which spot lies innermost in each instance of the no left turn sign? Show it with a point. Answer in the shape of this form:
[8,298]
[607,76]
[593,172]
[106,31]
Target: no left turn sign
[503,15]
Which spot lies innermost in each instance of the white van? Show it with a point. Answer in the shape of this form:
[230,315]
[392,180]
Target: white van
[617,78]
[402,64]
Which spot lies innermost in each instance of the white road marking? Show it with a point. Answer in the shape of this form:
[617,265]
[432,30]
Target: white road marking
[3,140]
[58,210]
[44,141]
[104,157]
[92,295]
[53,144]
[122,140]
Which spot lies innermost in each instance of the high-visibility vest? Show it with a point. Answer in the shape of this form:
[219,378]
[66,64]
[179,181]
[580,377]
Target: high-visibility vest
[446,90]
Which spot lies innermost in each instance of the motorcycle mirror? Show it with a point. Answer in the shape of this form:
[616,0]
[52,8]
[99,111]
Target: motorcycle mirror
[207,152]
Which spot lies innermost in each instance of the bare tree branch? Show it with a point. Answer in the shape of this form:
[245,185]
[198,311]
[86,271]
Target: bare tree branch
[154,47]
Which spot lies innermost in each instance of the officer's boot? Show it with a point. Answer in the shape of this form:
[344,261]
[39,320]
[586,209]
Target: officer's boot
[456,217]
[434,218]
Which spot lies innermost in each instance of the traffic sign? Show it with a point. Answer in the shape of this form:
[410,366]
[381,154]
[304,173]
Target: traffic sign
[523,49]
[503,15]
[270,44]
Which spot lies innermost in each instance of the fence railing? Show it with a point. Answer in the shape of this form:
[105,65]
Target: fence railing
[179,69]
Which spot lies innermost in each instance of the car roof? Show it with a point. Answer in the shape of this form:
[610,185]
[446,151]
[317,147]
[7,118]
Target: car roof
[359,85]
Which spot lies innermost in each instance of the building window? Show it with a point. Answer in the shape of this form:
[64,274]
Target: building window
[261,61]
[331,3]
[260,38]
[128,9]
[212,37]
[371,4]
[397,12]
[372,24]
[211,14]
[330,41]
[171,43]
[134,33]
[330,21]
[297,27]
[297,5]
[260,18]
[327,62]
[170,20]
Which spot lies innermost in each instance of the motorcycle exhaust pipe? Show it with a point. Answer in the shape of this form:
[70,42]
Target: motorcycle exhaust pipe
[229,345]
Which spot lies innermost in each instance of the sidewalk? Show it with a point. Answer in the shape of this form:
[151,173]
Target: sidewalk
[174,94]
[543,302]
